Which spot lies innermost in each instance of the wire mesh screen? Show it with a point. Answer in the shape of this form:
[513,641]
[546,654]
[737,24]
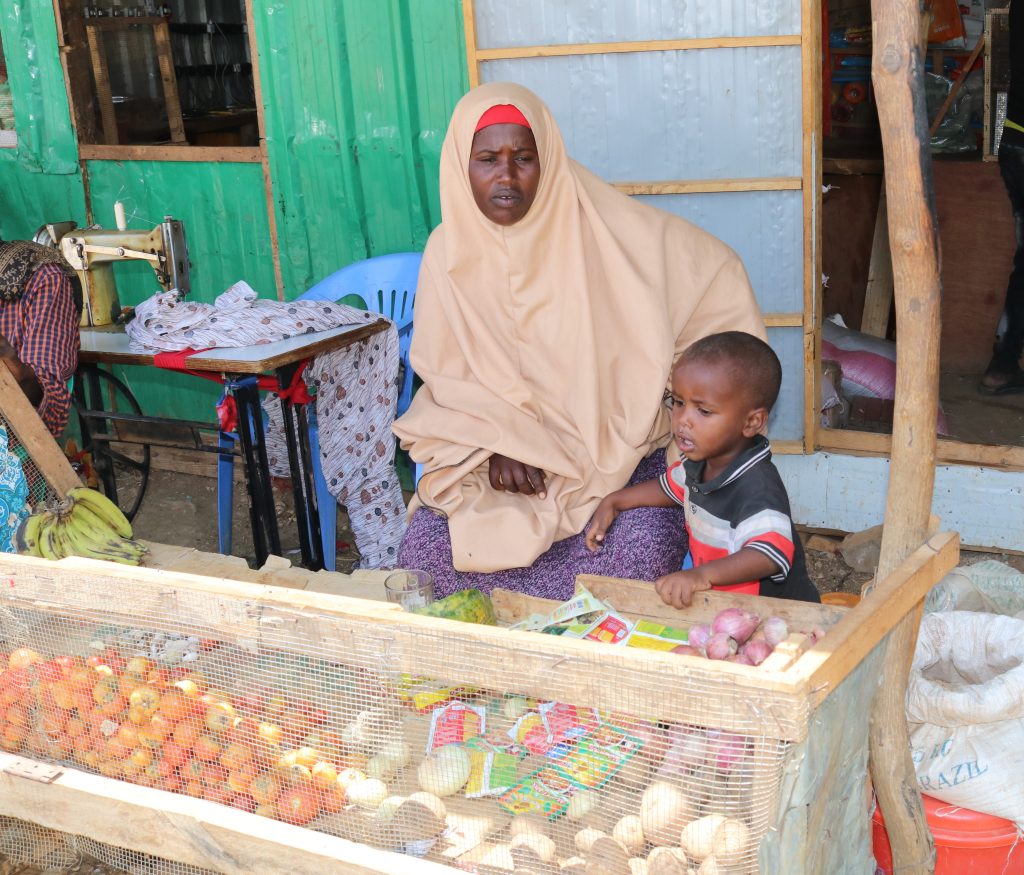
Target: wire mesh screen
[37,490]
[418,738]
[119,860]
[25,845]
[997,77]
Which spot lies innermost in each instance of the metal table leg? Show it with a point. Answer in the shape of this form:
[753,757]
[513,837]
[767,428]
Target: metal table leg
[307,514]
[90,397]
[262,515]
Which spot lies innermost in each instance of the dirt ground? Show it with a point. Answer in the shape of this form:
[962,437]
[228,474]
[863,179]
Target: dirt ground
[181,509]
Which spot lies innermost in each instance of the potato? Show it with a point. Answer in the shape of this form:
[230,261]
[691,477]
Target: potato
[696,838]
[666,861]
[607,857]
[533,852]
[421,816]
[664,811]
[630,832]
[586,837]
[730,844]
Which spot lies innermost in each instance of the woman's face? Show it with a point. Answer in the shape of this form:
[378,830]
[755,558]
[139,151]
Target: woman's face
[504,170]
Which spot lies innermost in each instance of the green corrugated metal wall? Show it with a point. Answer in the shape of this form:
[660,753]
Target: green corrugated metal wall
[357,97]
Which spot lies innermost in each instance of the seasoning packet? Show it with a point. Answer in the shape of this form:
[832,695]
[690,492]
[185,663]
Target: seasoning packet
[599,756]
[490,773]
[454,723]
[649,635]
[580,605]
[545,792]
[551,725]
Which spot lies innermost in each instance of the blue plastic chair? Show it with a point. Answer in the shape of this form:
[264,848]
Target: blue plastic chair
[385,284]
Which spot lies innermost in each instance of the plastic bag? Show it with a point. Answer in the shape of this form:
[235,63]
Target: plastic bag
[964,708]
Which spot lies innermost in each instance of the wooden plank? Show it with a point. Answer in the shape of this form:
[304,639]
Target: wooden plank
[472,57]
[783,320]
[1005,458]
[206,154]
[788,448]
[878,296]
[101,76]
[261,122]
[534,665]
[126,23]
[34,436]
[187,830]
[863,627]
[811,128]
[700,186]
[74,57]
[666,45]
[165,61]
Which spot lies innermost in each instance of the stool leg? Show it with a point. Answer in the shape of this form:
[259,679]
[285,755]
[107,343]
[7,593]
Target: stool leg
[225,492]
[327,504]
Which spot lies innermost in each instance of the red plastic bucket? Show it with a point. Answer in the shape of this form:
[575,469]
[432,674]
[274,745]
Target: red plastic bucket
[966,842]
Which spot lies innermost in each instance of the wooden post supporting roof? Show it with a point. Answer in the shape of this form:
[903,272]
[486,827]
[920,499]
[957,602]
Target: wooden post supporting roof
[897,75]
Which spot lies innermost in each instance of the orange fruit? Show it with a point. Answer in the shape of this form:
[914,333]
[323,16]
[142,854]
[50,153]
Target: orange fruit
[265,788]
[298,804]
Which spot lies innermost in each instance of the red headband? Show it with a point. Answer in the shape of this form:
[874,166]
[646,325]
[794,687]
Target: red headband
[502,114]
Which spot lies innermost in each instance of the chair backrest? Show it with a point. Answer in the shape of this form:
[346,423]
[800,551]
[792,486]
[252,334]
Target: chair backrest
[385,284]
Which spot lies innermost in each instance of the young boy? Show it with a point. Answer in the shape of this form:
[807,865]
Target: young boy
[737,510]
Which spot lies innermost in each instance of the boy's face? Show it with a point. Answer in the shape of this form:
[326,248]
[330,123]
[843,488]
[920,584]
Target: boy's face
[713,420]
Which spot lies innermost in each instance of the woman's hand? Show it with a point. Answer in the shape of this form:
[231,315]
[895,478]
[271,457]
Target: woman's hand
[508,475]
[606,514]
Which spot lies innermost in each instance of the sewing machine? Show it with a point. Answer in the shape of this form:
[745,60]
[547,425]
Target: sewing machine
[91,252]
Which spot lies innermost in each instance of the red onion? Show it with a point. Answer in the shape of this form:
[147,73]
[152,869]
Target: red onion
[687,650]
[741,659]
[721,646]
[736,623]
[775,631]
[725,750]
[688,749]
[757,650]
[699,636]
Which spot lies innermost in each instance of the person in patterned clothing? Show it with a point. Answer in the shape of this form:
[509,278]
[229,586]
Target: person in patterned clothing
[39,327]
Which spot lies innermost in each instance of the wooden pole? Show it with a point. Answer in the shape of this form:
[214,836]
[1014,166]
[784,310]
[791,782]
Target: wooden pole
[897,72]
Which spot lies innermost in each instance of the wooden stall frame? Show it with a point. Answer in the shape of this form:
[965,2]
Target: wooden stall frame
[809,41]
[219,838]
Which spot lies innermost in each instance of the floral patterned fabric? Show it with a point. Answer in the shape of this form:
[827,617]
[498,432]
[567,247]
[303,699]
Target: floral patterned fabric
[13,495]
[356,393]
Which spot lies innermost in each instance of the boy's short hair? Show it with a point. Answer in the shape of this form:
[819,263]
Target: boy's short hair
[752,363]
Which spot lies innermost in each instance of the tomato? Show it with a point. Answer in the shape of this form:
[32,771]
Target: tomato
[13,737]
[265,788]
[82,678]
[17,715]
[62,694]
[298,804]
[325,774]
[174,754]
[114,659]
[192,769]
[145,697]
[236,755]
[240,779]
[174,706]
[214,775]
[243,801]
[23,657]
[137,714]
[194,788]
[332,800]
[53,722]
[75,727]
[138,667]
[171,783]
[219,716]
[217,793]
[185,734]
[106,691]
[207,748]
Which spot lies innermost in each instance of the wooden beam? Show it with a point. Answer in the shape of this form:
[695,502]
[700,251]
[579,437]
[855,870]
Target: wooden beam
[74,58]
[227,154]
[101,76]
[783,320]
[472,57]
[700,186]
[898,79]
[1005,458]
[666,45]
[165,62]
[187,830]
[811,127]
[852,166]
[264,155]
[862,627]
[33,435]
[878,296]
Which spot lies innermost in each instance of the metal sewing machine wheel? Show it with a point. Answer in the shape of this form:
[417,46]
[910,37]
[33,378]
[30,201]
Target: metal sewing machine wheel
[106,408]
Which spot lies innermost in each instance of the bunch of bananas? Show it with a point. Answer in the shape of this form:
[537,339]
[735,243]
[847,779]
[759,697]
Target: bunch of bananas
[86,523]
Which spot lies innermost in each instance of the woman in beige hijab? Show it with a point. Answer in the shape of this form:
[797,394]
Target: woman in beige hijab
[549,310]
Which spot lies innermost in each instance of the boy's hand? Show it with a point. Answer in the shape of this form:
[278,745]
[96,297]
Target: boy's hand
[677,589]
[603,518]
